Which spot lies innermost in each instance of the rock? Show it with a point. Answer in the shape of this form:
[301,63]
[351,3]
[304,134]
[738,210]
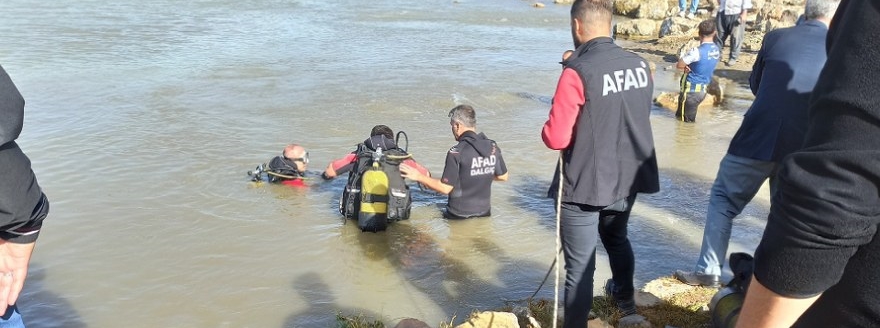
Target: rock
[627,7]
[653,9]
[538,5]
[633,321]
[676,26]
[669,100]
[598,323]
[636,27]
[411,323]
[752,41]
[491,320]
[646,299]
[563,2]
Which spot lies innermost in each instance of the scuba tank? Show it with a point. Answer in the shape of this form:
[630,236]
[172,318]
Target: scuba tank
[373,214]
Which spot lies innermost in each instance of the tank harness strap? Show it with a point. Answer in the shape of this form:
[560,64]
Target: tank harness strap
[373,198]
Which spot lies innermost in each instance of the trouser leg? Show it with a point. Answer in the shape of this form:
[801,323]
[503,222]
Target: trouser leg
[579,235]
[688,103]
[694,4]
[737,182]
[720,31]
[613,233]
[736,37]
[682,4]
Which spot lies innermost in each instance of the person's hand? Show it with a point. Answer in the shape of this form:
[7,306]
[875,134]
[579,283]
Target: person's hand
[409,172]
[14,259]
[687,69]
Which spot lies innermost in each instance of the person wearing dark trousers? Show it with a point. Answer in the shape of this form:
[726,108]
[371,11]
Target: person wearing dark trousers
[698,65]
[23,205]
[818,262]
[783,76]
[606,157]
[731,22]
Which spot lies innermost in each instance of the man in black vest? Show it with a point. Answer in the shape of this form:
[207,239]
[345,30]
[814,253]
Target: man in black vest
[471,167]
[607,151]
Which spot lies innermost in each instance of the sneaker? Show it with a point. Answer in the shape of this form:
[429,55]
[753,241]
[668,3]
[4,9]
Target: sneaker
[690,15]
[731,62]
[626,306]
[681,13]
[694,278]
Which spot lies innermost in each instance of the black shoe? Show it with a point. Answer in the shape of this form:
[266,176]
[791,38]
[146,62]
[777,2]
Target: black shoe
[626,305]
[694,278]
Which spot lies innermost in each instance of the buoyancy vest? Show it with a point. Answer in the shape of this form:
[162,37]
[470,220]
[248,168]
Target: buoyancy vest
[397,200]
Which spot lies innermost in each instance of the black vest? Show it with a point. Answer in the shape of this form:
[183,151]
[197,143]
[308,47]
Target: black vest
[611,155]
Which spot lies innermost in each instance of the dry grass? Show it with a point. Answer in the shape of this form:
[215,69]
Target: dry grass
[358,321]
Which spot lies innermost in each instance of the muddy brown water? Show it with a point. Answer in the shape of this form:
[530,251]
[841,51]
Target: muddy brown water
[143,117]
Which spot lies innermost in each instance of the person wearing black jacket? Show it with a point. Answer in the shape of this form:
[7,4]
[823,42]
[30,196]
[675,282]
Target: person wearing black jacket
[600,122]
[471,166]
[23,206]
[818,263]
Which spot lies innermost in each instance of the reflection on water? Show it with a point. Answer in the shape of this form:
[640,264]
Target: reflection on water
[143,118]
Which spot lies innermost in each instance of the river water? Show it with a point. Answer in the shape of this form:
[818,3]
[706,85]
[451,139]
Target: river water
[143,117]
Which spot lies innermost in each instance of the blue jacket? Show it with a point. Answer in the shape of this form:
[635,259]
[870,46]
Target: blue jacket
[783,76]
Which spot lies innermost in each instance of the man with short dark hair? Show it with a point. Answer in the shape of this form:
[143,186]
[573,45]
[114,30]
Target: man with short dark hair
[380,136]
[471,166]
[600,122]
[698,64]
[783,76]
[23,205]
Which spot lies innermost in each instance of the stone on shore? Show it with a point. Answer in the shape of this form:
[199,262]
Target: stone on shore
[636,28]
[633,321]
[411,323]
[653,9]
[627,7]
[489,319]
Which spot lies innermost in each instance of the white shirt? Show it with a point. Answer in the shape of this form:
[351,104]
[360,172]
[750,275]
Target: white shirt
[734,7]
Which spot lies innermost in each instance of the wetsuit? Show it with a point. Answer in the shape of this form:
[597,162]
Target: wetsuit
[701,61]
[471,166]
[348,162]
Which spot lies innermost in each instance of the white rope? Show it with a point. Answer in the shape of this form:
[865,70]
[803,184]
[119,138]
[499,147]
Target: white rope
[558,245]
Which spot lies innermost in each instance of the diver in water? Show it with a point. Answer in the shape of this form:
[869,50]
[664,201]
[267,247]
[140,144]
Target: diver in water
[288,169]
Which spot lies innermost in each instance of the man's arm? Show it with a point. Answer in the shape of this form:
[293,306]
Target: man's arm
[412,173]
[567,103]
[501,173]
[690,57]
[764,308]
[339,166]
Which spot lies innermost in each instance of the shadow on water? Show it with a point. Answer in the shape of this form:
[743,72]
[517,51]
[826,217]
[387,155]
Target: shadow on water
[320,297]
[42,308]
[463,272]
[683,198]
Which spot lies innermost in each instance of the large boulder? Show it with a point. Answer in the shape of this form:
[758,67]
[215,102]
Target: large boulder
[636,27]
[677,26]
[627,7]
[653,9]
[714,96]
[411,323]
[491,320]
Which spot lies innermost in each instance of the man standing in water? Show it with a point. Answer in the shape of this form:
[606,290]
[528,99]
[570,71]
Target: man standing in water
[23,206]
[471,166]
[783,77]
[698,64]
[600,122]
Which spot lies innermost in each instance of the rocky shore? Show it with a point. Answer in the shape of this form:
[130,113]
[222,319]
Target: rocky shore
[655,31]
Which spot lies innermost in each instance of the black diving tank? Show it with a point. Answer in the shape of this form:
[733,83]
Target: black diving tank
[373,215]
[725,306]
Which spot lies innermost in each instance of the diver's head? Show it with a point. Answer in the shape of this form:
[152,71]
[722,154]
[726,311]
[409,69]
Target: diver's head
[383,130]
[462,118]
[298,155]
